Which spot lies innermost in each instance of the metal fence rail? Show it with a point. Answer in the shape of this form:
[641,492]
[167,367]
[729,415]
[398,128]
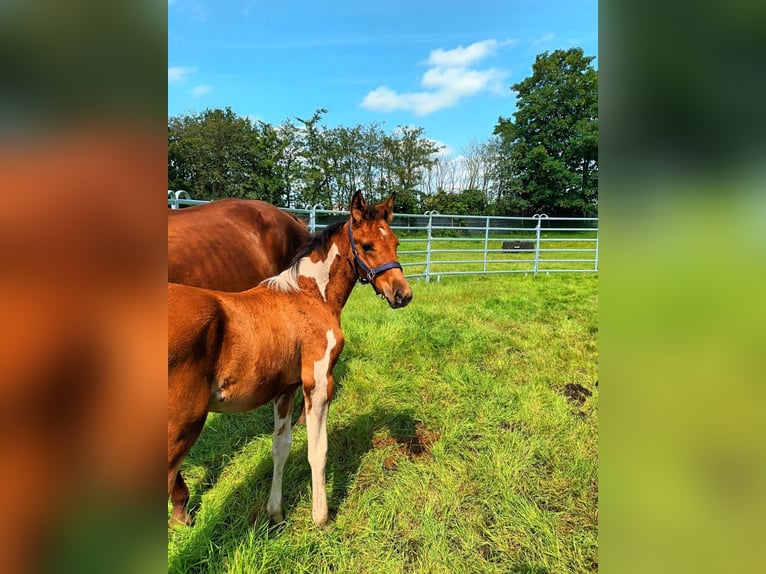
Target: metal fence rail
[434,244]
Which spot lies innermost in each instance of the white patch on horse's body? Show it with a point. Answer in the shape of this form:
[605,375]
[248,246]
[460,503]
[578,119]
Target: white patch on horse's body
[320,366]
[383,231]
[319,271]
[316,427]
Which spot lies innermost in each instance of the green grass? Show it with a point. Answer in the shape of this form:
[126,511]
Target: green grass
[453,446]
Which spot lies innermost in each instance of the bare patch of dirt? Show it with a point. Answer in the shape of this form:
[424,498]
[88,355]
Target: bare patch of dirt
[511,426]
[412,446]
[577,394]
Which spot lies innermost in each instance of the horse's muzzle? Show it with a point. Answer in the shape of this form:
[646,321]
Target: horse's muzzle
[401,297]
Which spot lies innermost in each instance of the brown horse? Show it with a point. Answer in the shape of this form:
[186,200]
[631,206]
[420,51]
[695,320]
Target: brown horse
[232,352]
[231,244]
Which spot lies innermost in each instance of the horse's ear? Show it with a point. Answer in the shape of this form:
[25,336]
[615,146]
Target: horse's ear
[385,210]
[358,207]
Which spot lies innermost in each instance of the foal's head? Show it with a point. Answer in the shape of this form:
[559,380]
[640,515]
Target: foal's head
[374,244]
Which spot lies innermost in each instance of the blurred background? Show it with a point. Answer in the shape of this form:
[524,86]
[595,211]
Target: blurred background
[82,285]
[683,217]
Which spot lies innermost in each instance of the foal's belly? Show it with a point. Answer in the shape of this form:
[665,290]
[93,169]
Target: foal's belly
[240,394]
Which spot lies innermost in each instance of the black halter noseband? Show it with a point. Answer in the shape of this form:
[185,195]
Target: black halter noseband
[366,275]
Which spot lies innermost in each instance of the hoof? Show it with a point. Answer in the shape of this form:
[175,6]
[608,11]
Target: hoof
[276,518]
[180,521]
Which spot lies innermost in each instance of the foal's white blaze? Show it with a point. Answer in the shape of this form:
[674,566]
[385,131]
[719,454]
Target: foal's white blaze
[383,232]
[316,427]
[319,271]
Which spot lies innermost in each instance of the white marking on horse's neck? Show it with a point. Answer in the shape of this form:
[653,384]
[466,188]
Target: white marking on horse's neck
[319,271]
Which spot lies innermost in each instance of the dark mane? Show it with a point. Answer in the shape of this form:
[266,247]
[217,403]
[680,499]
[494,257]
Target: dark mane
[319,240]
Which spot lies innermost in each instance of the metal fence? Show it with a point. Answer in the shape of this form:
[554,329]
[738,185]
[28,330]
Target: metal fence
[435,245]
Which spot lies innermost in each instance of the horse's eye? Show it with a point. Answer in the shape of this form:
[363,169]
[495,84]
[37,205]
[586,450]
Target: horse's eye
[367,246]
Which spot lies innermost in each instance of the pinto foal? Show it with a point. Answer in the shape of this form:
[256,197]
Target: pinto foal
[233,352]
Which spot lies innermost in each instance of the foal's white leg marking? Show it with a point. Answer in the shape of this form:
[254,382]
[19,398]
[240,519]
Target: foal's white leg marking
[280,450]
[316,428]
[319,271]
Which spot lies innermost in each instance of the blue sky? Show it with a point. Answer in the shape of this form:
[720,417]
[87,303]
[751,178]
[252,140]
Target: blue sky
[445,66]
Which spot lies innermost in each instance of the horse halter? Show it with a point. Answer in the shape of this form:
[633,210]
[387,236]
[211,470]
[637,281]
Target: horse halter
[365,274]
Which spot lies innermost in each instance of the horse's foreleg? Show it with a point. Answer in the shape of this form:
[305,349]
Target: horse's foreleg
[280,450]
[318,385]
[316,429]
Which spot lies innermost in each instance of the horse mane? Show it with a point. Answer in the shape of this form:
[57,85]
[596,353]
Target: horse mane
[287,280]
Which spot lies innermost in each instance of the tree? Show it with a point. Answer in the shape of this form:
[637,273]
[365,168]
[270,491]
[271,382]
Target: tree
[407,156]
[216,154]
[550,148]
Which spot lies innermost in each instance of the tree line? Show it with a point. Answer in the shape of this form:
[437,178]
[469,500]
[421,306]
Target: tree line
[542,159]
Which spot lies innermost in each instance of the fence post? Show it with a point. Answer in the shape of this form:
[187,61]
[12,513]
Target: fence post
[486,245]
[174,197]
[595,262]
[539,217]
[313,218]
[430,215]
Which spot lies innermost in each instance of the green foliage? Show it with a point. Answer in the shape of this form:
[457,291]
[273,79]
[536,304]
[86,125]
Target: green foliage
[466,202]
[216,154]
[550,148]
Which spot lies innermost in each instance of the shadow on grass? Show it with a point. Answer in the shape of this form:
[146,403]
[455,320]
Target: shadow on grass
[242,511]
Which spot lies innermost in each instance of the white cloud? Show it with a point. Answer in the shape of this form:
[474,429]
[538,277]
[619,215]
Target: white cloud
[462,81]
[449,79]
[384,99]
[178,74]
[464,56]
[201,90]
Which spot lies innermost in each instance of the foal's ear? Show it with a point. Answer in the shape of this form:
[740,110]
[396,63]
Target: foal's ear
[358,207]
[385,210]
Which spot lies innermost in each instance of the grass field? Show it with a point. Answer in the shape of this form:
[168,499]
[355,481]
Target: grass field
[462,438]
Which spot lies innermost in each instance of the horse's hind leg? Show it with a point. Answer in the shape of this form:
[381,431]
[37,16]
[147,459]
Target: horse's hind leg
[179,496]
[280,450]
[181,437]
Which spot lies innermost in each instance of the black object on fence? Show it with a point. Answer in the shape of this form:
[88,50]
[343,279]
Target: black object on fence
[518,245]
